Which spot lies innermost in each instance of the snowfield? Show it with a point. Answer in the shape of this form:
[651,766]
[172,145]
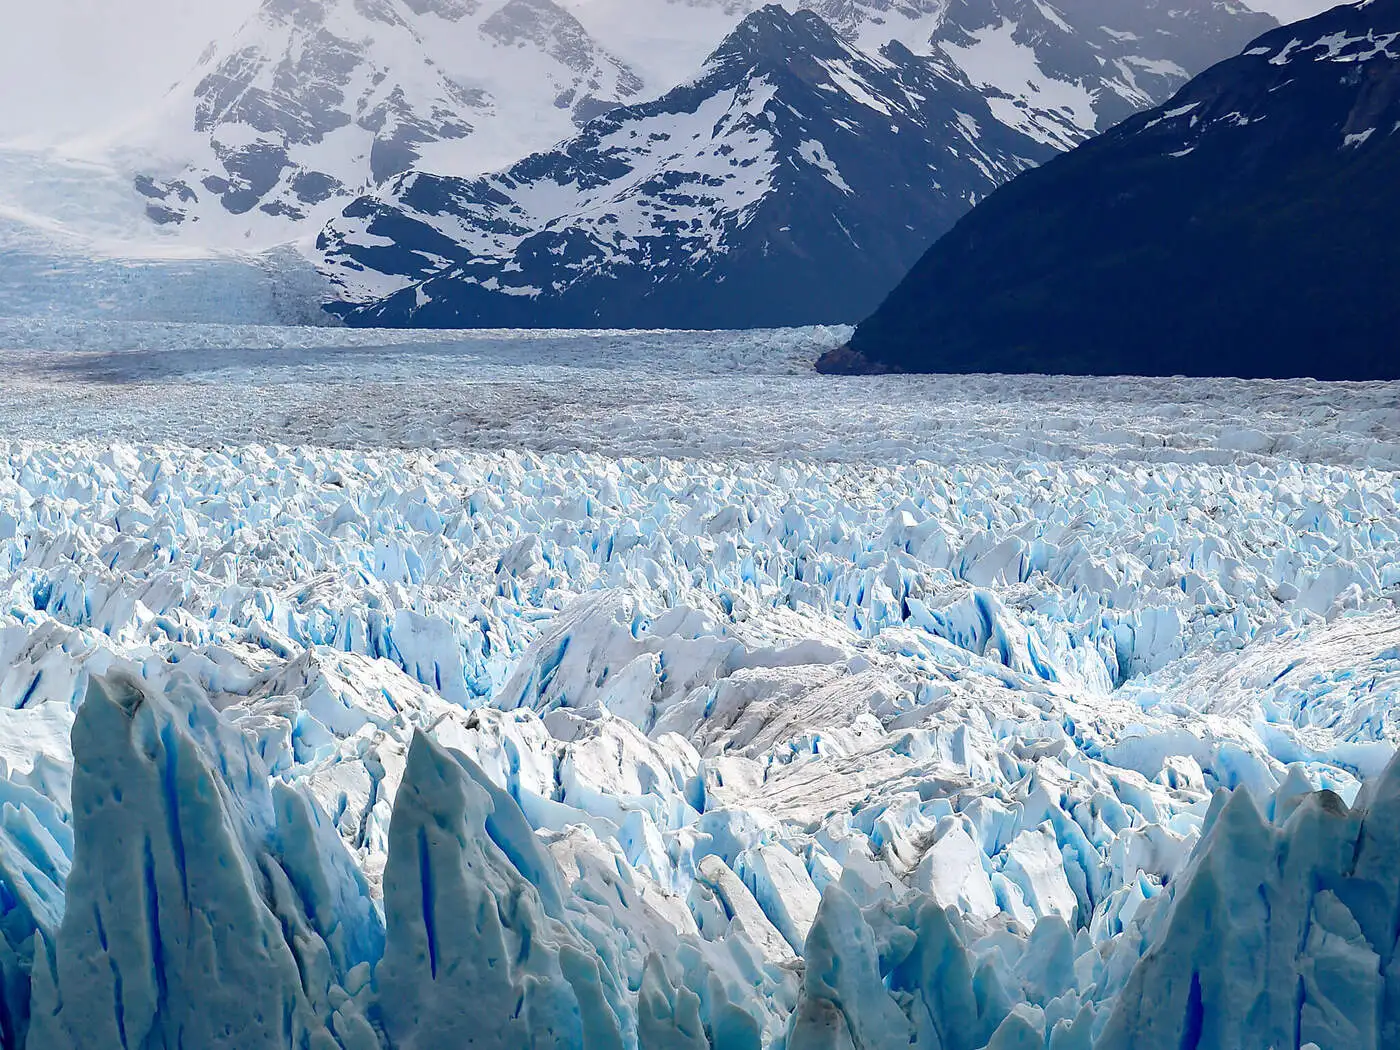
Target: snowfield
[834,713]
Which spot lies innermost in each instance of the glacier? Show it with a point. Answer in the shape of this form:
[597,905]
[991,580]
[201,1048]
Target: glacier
[75,244]
[981,724]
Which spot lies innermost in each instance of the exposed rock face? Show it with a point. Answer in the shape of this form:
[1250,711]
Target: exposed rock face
[792,181]
[1247,228]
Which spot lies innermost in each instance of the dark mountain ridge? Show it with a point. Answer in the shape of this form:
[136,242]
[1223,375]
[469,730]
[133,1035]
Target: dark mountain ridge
[1248,227]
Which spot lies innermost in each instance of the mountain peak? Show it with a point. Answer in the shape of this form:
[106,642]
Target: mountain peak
[777,18]
[774,31]
[791,181]
[774,39]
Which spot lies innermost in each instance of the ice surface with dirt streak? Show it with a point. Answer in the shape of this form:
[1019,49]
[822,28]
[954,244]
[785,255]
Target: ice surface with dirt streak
[648,690]
[717,394]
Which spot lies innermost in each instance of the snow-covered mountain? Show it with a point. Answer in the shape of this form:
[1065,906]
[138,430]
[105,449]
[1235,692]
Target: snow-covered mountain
[792,181]
[312,101]
[316,100]
[725,203]
[1247,227]
[73,67]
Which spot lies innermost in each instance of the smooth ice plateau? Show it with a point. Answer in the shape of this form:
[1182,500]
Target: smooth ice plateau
[397,747]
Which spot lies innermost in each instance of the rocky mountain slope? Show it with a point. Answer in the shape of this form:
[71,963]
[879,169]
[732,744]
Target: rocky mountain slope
[1068,70]
[790,182]
[761,190]
[316,100]
[1247,227]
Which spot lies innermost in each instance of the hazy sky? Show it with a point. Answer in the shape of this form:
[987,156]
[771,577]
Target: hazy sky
[69,67]
[1292,10]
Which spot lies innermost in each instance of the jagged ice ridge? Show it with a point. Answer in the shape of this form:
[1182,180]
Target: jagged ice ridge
[377,748]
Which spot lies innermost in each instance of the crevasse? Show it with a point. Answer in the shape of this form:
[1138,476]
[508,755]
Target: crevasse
[318,748]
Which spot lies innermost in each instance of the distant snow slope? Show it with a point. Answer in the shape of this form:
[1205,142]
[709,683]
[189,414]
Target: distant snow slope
[1066,70]
[374,747]
[74,68]
[74,244]
[41,278]
[81,68]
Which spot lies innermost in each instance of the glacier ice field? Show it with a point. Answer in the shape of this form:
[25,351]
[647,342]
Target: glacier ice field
[644,690]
